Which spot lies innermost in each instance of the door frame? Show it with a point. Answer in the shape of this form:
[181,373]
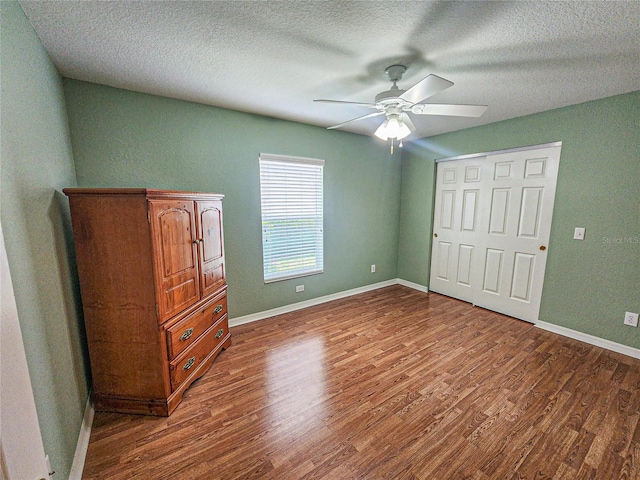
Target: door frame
[497,152]
[20,429]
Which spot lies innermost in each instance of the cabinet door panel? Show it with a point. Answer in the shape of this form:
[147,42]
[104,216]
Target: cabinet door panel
[212,274]
[175,264]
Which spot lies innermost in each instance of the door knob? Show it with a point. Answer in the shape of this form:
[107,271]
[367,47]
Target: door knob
[435,235]
[543,248]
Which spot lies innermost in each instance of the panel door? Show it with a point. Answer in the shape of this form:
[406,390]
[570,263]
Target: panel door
[173,229]
[519,204]
[457,220]
[499,231]
[210,245]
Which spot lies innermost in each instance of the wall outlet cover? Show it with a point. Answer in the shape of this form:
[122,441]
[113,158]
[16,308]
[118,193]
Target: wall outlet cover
[631,319]
[299,288]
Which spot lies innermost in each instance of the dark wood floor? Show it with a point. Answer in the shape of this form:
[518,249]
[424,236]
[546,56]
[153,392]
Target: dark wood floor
[393,384]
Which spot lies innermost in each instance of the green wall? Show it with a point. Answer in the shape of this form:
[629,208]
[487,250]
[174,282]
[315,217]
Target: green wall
[378,207]
[127,139]
[36,162]
[588,284]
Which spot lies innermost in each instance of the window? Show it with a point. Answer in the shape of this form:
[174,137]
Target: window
[291,199]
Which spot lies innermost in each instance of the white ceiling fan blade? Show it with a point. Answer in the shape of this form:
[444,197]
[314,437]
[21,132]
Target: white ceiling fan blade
[426,88]
[355,119]
[450,110]
[369,105]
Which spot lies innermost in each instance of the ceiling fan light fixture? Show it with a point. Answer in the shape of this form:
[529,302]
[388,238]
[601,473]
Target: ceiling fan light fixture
[382,132]
[392,127]
[396,128]
[403,130]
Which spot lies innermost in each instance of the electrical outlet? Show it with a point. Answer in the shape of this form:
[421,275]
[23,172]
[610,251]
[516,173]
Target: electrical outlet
[578,233]
[631,319]
[299,288]
[373,269]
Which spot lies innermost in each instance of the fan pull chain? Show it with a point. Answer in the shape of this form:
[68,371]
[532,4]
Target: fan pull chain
[392,146]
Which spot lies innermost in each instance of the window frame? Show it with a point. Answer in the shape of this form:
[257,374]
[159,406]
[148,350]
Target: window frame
[314,211]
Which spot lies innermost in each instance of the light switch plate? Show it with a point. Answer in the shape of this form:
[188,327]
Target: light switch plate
[578,233]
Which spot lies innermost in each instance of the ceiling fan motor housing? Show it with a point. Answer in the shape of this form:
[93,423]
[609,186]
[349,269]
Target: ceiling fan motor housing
[390,96]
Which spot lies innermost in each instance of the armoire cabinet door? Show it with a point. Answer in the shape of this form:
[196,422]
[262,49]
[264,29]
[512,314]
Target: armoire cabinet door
[173,230]
[212,275]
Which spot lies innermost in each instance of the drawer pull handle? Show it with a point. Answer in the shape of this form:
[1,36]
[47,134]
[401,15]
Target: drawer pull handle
[187,334]
[189,363]
[218,309]
[220,333]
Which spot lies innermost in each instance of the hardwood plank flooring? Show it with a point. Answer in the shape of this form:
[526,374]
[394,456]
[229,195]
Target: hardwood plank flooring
[395,384]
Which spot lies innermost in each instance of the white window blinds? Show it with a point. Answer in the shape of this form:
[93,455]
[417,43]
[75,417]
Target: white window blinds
[291,199]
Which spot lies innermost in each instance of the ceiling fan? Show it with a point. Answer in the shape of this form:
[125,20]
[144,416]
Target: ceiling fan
[396,104]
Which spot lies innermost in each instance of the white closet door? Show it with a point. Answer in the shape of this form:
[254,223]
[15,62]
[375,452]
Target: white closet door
[492,222]
[456,225]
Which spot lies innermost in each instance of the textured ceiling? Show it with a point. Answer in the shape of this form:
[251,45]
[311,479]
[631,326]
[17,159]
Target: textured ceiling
[275,57]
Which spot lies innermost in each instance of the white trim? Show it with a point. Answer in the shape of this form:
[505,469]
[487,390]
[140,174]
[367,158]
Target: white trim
[254,317]
[415,286]
[23,454]
[496,152]
[297,275]
[83,442]
[590,339]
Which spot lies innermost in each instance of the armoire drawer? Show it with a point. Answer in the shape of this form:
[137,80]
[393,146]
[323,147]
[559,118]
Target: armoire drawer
[181,367]
[184,333]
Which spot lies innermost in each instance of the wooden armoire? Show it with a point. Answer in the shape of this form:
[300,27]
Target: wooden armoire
[154,292]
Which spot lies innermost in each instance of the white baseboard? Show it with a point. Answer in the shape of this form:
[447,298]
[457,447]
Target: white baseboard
[415,286]
[83,442]
[254,317]
[590,339]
